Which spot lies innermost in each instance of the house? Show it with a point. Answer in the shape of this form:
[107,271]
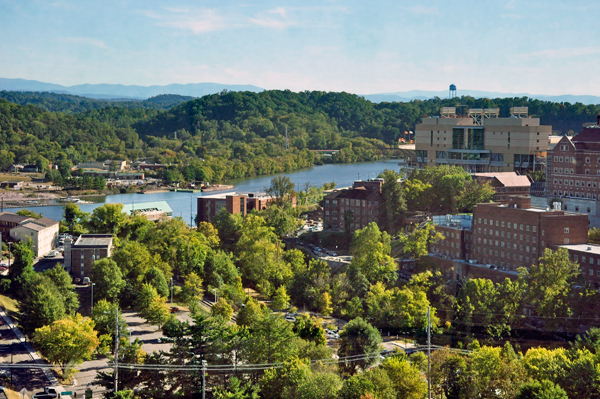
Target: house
[81,255]
[42,232]
[505,184]
[15,185]
[112,165]
[16,168]
[153,211]
[31,168]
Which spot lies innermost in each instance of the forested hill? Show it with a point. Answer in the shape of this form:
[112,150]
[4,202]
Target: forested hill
[311,116]
[71,104]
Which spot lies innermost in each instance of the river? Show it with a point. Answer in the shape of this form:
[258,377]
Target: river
[184,204]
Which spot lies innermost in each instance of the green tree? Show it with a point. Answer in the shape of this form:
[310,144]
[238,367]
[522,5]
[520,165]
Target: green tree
[67,341]
[281,300]
[192,291]
[416,244]
[282,219]
[473,194]
[41,302]
[394,205]
[237,390]
[156,278]
[549,283]
[282,189]
[222,309]
[372,249]
[211,234]
[157,313]
[358,338]
[249,311]
[357,387]
[22,265]
[406,378]
[146,295]
[28,213]
[284,382]
[541,390]
[75,218]
[108,279]
[62,281]
[107,219]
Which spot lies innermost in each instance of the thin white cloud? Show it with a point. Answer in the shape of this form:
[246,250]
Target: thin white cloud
[188,19]
[276,18]
[510,5]
[423,10]
[511,16]
[562,53]
[87,41]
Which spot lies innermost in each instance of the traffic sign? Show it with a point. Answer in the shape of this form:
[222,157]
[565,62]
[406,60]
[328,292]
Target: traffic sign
[66,393]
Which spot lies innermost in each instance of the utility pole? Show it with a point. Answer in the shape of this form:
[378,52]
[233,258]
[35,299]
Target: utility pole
[9,252]
[429,352]
[203,379]
[116,349]
[92,305]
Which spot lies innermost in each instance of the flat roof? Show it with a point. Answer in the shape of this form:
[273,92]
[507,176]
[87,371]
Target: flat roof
[13,217]
[589,248]
[93,240]
[144,207]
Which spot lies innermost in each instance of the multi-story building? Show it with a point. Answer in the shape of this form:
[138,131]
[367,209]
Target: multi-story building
[9,221]
[515,235]
[505,184]
[81,255]
[481,141]
[573,168]
[210,205]
[42,232]
[153,211]
[457,232]
[357,206]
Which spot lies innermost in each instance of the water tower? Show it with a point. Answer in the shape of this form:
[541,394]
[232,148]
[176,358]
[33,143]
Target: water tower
[452,92]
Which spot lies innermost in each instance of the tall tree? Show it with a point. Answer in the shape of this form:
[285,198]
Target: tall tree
[372,249]
[108,279]
[358,338]
[282,189]
[394,209]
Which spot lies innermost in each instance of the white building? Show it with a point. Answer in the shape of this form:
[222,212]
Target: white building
[42,232]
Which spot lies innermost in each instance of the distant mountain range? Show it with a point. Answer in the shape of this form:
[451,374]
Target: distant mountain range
[404,96]
[114,91]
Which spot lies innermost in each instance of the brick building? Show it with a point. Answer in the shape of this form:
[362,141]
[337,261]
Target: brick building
[81,255]
[588,257]
[573,168]
[362,203]
[210,205]
[505,184]
[515,235]
[457,232]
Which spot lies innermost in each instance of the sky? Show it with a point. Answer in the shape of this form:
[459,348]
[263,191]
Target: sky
[364,47]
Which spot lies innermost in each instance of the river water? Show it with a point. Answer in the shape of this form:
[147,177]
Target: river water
[184,204]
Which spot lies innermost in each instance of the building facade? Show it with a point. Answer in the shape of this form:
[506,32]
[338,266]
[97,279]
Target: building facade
[481,141]
[457,232]
[9,221]
[354,208]
[505,184]
[81,255]
[42,232]
[574,166]
[515,235]
[210,205]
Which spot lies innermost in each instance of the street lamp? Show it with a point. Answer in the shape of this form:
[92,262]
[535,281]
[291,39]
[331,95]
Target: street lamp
[92,285]
[215,291]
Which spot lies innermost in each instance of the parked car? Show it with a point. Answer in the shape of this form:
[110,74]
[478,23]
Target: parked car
[291,319]
[51,254]
[86,280]
[174,309]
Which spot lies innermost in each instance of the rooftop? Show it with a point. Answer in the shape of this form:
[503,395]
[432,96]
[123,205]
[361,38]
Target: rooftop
[146,207]
[94,240]
[508,179]
[462,222]
[589,248]
[12,217]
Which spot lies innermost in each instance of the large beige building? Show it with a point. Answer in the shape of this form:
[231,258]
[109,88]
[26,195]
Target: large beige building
[42,232]
[481,141]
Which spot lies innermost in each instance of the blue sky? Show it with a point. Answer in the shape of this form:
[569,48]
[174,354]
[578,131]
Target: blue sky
[365,47]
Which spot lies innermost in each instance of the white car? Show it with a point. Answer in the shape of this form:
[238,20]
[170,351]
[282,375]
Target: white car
[51,254]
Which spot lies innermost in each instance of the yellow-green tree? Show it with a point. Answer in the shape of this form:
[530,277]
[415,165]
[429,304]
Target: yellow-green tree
[67,341]
[222,309]
[192,290]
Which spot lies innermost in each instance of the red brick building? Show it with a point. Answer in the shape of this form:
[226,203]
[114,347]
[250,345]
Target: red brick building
[362,204]
[209,206]
[573,168]
[505,184]
[457,230]
[81,255]
[515,235]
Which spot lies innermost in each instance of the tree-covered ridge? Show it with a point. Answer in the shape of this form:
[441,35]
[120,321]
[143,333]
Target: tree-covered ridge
[72,104]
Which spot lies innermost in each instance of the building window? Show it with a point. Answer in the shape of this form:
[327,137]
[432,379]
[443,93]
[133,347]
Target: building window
[566,230]
[587,159]
[591,272]
[566,240]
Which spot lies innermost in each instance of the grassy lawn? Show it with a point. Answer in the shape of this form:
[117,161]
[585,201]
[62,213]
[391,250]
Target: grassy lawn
[11,306]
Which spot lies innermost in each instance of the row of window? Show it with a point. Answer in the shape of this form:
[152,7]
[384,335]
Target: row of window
[576,195]
[591,272]
[576,183]
[510,236]
[503,244]
[501,223]
[571,171]
[502,254]
[570,159]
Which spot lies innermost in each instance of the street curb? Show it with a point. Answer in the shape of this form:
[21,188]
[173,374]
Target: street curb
[32,353]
